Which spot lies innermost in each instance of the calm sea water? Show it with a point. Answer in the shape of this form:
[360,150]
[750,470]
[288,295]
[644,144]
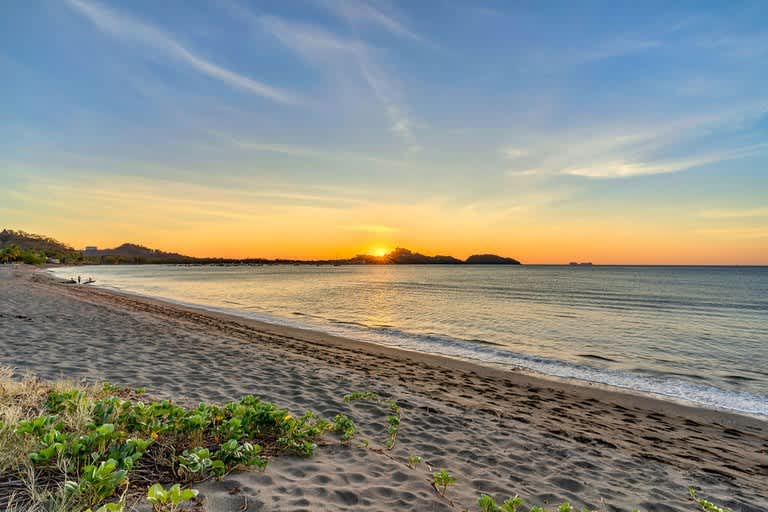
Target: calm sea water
[693,333]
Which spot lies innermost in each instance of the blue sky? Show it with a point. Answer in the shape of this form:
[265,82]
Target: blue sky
[547,130]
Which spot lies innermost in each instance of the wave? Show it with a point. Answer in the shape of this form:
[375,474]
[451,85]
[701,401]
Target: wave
[667,386]
[487,352]
[690,388]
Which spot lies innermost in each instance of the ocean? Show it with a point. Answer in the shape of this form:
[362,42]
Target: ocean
[697,334]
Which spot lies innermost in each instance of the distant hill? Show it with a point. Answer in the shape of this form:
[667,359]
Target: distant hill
[34,249]
[30,248]
[26,240]
[490,259]
[134,253]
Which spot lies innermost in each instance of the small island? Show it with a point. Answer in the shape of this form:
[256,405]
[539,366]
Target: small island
[490,259]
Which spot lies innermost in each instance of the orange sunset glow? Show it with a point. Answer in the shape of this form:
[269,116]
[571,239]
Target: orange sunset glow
[215,222]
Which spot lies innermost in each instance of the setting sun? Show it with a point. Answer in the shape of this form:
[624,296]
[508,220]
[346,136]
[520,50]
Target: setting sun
[379,252]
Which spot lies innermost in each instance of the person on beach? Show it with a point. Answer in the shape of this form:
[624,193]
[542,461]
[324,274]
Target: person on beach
[78,279]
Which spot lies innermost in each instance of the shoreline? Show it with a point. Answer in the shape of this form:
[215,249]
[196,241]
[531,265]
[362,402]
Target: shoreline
[657,401]
[499,432]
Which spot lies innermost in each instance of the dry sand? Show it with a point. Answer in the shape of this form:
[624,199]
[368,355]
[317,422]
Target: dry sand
[497,431]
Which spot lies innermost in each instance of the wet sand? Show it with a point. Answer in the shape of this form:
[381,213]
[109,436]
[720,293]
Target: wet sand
[497,431]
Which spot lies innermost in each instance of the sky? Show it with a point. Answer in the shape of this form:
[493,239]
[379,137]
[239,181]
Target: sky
[612,132]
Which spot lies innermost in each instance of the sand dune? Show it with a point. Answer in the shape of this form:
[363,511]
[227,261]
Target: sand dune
[497,432]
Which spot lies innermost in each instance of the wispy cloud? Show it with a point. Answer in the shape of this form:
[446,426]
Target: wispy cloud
[742,213]
[359,12]
[525,202]
[527,172]
[401,125]
[385,90]
[614,48]
[125,27]
[564,59]
[621,169]
[625,169]
[297,151]
[371,228]
[738,233]
[174,194]
[512,153]
[329,50]
[626,148]
[704,86]
[310,41]
[170,186]
[741,46]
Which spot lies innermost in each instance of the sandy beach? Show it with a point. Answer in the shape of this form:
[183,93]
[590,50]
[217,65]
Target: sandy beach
[496,431]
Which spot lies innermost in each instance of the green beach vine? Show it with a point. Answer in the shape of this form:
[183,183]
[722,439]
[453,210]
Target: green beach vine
[75,448]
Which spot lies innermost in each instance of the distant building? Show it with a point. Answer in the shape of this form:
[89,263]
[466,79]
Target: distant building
[91,249]
[54,261]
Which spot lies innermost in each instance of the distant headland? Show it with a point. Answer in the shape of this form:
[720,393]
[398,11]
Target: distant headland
[38,249]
